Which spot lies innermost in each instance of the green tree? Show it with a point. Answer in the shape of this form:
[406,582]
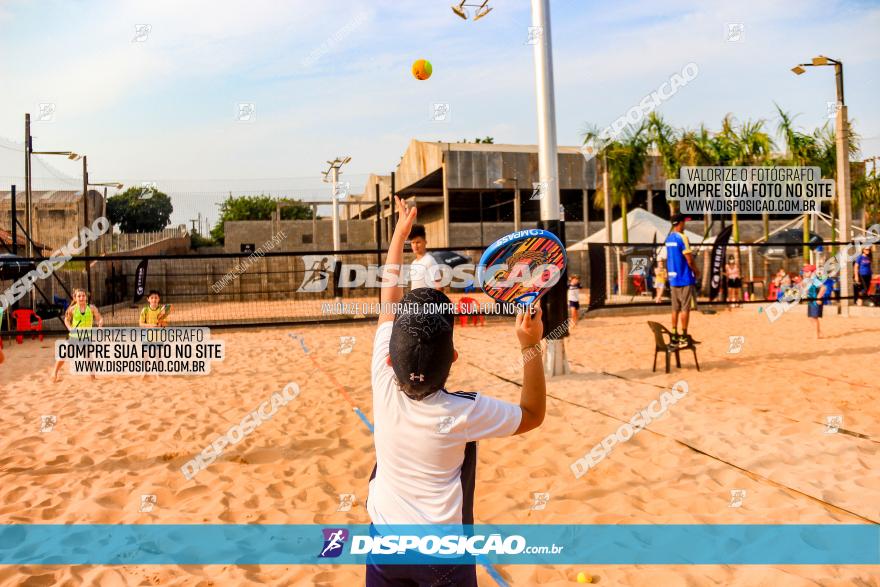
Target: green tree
[624,158]
[260,207]
[664,138]
[866,190]
[747,145]
[801,149]
[140,209]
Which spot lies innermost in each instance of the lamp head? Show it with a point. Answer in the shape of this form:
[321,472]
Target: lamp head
[798,70]
[820,60]
[486,10]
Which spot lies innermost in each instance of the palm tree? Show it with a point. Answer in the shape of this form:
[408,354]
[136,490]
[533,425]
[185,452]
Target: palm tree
[801,149]
[694,148]
[624,161]
[867,190]
[664,139]
[825,158]
[746,146]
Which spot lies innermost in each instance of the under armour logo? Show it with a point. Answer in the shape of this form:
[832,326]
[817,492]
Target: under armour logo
[414,377]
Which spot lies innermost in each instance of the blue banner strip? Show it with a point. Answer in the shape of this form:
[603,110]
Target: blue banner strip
[99,544]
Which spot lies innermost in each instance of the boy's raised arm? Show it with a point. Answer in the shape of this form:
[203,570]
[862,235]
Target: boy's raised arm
[392,292]
[533,399]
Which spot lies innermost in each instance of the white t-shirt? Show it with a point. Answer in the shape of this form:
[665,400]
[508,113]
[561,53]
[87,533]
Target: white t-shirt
[426,451]
[420,274]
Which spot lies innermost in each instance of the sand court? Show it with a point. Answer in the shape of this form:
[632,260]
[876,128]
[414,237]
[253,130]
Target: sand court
[754,422]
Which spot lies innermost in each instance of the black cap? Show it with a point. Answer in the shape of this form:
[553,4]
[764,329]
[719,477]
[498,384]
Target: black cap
[421,342]
[679,217]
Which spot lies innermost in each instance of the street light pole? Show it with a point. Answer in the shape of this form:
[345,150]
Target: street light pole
[844,197]
[27,195]
[337,237]
[332,175]
[86,220]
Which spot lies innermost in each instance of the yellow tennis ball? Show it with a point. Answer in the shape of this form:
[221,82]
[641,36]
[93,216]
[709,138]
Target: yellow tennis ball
[584,578]
[421,69]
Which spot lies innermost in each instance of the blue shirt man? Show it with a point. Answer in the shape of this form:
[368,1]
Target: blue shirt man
[682,277]
[680,273]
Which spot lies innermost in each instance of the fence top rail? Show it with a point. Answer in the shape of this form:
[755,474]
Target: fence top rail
[244,255]
[150,257]
[731,244]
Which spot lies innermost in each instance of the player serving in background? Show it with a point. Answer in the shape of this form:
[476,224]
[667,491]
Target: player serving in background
[79,316]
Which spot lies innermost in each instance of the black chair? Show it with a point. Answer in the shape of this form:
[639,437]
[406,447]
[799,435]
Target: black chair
[662,345]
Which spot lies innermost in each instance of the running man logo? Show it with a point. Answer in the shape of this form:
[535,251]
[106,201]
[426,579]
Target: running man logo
[736,344]
[833,424]
[736,497]
[346,345]
[541,501]
[147,503]
[318,270]
[539,190]
[341,189]
[334,540]
[47,423]
[445,424]
[536,35]
[640,266]
[346,500]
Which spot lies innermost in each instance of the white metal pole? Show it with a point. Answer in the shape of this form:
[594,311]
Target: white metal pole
[547,150]
[334,180]
[548,173]
[844,205]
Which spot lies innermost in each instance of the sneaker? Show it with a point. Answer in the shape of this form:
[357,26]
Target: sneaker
[684,341]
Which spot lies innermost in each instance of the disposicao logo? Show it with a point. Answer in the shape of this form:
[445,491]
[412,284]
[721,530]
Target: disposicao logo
[334,540]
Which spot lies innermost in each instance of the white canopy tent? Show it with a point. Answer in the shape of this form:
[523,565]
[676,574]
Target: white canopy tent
[643,227]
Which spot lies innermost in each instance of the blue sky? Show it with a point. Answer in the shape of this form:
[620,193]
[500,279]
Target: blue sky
[164,109]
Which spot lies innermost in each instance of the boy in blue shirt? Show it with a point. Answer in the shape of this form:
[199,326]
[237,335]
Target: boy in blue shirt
[683,275]
[862,271]
[815,295]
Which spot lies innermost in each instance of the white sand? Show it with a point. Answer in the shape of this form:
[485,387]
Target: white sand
[753,421]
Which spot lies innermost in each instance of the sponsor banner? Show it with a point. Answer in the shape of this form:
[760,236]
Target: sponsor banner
[619,544]
[719,250]
[140,281]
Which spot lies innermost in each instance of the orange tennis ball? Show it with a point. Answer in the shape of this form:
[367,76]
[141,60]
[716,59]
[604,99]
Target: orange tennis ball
[421,69]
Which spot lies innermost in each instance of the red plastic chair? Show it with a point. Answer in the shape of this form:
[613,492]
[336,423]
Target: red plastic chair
[468,307]
[23,321]
[639,284]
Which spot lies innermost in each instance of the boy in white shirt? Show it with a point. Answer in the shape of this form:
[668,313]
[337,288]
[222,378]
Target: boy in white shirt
[425,436]
[422,270]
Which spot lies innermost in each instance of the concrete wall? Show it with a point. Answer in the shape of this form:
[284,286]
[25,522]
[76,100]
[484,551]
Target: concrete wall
[56,221]
[356,234]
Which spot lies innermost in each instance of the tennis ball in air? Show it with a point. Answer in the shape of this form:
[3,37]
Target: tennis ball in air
[421,69]
[584,578]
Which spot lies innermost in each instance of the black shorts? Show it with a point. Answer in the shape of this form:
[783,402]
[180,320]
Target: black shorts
[419,575]
[575,305]
[735,283]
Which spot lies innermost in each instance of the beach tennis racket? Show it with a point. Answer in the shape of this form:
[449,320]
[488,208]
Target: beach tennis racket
[163,314]
[521,267]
